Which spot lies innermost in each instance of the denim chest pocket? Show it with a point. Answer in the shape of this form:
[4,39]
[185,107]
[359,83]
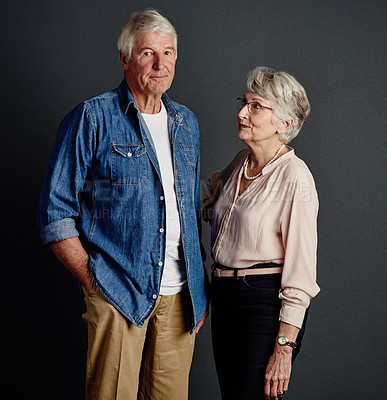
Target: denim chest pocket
[188,151]
[128,164]
[190,157]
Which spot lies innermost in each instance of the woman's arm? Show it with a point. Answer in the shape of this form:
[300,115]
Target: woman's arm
[298,227]
[299,235]
[215,185]
[280,365]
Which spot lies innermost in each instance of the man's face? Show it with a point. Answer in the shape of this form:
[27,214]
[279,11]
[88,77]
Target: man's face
[151,67]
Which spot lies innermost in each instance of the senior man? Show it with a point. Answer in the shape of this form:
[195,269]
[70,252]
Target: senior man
[120,209]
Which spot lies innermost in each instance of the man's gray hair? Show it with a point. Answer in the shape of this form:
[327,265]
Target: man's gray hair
[287,95]
[143,22]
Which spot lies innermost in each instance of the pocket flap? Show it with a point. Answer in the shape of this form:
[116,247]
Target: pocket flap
[129,150]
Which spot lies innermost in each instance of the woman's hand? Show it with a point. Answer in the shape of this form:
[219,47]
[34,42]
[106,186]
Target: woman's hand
[280,364]
[278,372]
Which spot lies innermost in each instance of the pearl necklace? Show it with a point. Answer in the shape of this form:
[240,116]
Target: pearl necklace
[245,165]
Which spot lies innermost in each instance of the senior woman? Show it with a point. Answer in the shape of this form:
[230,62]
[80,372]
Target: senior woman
[263,212]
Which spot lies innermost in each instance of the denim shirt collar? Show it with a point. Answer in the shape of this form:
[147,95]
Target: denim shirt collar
[126,99]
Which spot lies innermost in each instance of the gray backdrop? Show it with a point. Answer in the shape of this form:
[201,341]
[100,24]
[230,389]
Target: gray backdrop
[57,53]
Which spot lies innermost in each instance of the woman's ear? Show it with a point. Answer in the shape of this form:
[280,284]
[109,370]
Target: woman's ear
[285,126]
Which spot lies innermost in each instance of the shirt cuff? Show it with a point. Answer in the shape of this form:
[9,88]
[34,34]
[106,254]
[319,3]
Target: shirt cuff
[58,230]
[294,305]
[292,315]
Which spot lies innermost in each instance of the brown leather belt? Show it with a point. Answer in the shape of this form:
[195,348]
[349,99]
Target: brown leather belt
[229,273]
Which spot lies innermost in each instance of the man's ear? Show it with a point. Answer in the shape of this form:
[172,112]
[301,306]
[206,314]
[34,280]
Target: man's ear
[124,60]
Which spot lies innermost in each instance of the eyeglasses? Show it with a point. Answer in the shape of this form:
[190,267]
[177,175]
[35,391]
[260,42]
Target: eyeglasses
[253,107]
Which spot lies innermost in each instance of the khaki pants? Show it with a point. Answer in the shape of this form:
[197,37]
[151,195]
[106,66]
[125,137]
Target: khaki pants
[127,362]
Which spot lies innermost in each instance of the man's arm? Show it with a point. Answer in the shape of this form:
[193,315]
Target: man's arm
[73,256]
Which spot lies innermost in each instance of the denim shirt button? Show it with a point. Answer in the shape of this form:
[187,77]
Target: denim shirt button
[129,154]
[160,264]
[161,197]
[154,296]
[161,230]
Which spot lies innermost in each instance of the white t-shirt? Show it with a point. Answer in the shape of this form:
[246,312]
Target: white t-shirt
[174,276]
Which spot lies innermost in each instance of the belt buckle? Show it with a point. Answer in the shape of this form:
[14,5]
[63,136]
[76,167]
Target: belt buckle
[216,272]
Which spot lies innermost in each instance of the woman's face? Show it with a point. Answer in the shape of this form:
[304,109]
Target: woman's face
[256,128]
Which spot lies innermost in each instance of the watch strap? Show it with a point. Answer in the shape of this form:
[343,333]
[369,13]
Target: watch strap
[284,341]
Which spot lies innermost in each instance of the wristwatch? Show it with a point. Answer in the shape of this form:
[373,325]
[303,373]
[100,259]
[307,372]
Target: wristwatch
[284,341]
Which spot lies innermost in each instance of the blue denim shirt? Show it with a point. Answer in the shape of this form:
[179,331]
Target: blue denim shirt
[103,184]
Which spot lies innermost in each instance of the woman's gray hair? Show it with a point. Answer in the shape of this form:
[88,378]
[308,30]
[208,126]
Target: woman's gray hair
[140,23]
[287,95]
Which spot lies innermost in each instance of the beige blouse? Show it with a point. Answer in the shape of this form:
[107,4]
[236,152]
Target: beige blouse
[273,220]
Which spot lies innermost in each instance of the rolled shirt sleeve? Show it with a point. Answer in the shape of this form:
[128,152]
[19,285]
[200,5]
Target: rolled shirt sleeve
[65,177]
[59,230]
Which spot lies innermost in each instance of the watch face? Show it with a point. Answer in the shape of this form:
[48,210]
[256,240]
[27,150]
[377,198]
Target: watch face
[282,340]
